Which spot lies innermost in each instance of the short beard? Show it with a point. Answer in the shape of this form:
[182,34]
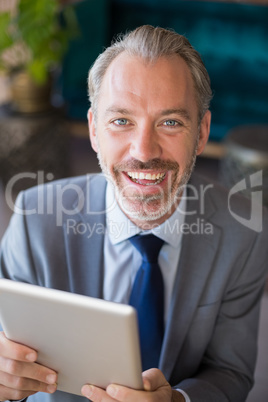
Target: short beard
[163,202]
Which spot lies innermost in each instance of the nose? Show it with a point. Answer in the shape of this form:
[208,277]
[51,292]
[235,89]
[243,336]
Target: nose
[145,144]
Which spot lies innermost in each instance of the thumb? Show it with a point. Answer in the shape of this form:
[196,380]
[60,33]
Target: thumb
[153,379]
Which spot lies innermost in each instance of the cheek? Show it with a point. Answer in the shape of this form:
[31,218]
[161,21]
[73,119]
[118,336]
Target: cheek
[112,148]
[180,151]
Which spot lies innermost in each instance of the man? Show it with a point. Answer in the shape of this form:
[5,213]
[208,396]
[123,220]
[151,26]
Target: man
[149,118]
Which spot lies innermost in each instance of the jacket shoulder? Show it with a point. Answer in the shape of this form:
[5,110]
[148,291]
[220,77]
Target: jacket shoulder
[67,191]
[229,207]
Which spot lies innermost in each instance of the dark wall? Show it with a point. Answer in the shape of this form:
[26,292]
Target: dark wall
[232,39]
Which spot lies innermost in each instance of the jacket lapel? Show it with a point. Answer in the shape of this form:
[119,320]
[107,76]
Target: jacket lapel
[196,261]
[84,240]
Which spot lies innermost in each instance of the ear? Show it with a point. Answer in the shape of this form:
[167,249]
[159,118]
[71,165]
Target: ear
[92,130]
[204,132]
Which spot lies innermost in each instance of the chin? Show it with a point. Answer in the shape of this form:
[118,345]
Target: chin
[147,210]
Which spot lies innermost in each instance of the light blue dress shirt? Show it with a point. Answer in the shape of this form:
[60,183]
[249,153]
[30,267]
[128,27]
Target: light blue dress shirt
[122,260]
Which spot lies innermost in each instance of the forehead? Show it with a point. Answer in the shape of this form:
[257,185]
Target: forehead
[166,82]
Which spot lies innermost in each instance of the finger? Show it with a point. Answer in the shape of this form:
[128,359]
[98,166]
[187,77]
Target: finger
[12,394]
[124,394]
[96,394]
[156,388]
[121,393]
[16,351]
[32,371]
[25,384]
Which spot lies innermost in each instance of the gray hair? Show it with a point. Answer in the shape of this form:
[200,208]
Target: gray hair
[151,43]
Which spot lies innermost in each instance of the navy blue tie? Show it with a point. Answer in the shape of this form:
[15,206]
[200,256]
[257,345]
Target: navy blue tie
[147,297]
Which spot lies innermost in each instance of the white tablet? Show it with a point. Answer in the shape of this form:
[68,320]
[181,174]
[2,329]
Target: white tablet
[86,340]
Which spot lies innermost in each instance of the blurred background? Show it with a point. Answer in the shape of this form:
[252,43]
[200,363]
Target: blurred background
[54,42]
[46,49]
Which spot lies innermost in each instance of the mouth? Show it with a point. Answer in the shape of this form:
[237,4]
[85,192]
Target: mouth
[145,178]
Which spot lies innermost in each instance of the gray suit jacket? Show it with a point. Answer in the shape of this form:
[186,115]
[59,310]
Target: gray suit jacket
[209,348]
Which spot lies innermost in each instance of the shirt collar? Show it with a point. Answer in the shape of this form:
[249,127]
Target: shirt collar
[120,228]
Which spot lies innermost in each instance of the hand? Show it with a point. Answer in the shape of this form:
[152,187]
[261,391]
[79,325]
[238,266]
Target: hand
[156,389]
[20,375]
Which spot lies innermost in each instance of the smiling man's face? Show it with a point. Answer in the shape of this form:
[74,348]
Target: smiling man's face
[147,134]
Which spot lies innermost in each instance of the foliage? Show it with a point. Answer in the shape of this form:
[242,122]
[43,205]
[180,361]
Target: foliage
[36,36]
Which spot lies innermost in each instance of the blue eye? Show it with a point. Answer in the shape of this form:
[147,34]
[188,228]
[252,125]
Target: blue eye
[170,123]
[121,122]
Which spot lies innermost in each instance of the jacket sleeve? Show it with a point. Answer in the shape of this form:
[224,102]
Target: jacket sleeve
[16,260]
[227,368]
[11,259]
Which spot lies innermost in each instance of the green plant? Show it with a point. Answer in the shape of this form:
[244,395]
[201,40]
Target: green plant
[36,36]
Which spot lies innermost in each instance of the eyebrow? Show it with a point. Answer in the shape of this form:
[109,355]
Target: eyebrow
[166,112]
[182,112]
[114,109]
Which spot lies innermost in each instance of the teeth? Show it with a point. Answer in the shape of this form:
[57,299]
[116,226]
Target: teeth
[147,176]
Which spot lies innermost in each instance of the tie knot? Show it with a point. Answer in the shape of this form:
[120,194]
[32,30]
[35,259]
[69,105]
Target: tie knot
[148,245]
